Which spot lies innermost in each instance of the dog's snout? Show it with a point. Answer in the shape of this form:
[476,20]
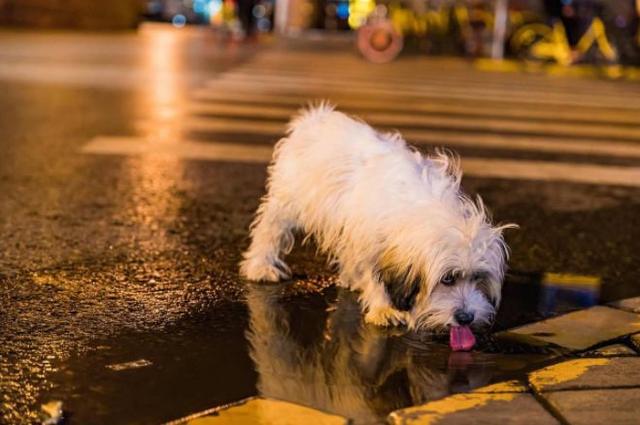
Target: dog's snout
[463,317]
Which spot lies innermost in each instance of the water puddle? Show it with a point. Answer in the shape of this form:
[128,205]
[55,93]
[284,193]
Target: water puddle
[299,345]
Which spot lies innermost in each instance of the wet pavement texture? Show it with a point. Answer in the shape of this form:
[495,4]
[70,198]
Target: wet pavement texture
[107,260]
[295,343]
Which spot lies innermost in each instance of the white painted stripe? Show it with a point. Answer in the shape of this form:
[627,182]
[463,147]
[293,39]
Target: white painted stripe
[234,126]
[185,149]
[477,167]
[424,93]
[277,112]
[411,68]
[410,96]
[409,119]
[390,104]
[92,75]
[432,137]
[552,171]
[442,76]
[327,87]
[479,81]
[527,144]
[421,68]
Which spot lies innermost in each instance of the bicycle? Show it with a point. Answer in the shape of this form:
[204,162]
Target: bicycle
[540,42]
[383,36]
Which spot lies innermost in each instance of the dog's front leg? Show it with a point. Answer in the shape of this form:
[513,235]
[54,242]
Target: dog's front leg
[377,303]
[271,238]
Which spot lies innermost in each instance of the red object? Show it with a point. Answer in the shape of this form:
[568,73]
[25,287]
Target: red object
[461,338]
[379,42]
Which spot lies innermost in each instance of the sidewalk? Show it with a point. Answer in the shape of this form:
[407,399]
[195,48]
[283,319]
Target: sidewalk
[597,382]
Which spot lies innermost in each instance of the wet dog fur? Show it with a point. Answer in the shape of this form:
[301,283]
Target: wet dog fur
[395,222]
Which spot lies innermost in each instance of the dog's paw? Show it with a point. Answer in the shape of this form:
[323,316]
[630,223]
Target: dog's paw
[386,316]
[264,271]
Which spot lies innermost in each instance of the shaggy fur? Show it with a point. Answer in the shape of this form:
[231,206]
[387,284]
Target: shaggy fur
[381,211]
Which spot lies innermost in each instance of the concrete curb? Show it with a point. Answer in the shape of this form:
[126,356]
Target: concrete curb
[569,391]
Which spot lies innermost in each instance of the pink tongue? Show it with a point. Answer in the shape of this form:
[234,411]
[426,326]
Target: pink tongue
[461,338]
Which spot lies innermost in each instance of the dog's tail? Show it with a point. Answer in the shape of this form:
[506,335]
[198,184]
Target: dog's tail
[310,114]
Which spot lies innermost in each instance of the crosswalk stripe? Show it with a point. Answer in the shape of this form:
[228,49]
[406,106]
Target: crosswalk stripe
[463,108]
[319,88]
[477,167]
[243,126]
[441,81]
[415,120]
[372,76]
[425,94]
[421,72]
[432,137]
[184,149]
[552,171]
[441,106]
[558,86]
[529,144]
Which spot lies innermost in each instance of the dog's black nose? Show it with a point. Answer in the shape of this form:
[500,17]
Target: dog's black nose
[463,317]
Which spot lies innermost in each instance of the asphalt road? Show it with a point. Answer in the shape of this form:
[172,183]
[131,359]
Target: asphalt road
[131,165]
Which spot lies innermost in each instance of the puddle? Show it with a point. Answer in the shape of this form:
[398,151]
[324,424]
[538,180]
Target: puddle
[529,297]
[289,343]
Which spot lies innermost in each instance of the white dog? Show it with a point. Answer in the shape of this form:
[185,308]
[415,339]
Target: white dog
[387,216]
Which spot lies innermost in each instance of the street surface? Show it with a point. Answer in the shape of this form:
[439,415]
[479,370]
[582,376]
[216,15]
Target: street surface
[131,167]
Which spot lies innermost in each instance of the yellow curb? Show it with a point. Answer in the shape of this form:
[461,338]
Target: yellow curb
[566,279]
[513,386]
[261,411]
[563,372]
[432,412]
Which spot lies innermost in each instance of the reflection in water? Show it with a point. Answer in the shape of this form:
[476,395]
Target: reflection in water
[162,60]
[562,292]
[155,178]
[328,359]
[531,296]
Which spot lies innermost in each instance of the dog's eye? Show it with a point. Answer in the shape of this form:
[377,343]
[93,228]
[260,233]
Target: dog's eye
[448,279]
[478,276]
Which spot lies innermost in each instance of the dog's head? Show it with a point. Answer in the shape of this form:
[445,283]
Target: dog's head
[453,275]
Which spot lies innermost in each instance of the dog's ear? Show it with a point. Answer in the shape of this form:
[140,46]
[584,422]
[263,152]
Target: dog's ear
[500,228]
[403,294]
[449,163]
[402,287]
[476,207]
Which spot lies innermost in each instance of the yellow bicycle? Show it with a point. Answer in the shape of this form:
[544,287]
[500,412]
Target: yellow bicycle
[540,42]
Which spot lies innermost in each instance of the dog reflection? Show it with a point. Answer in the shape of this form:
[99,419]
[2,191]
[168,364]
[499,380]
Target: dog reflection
[344,366]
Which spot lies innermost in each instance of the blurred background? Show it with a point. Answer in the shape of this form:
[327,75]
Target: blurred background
[569,29]
[291,16]
[562,31]
[135,137]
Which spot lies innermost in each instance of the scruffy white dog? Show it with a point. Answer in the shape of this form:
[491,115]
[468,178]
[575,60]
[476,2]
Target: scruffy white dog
[395,222]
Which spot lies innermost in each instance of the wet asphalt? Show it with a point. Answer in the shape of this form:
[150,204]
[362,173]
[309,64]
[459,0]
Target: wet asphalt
[109,259]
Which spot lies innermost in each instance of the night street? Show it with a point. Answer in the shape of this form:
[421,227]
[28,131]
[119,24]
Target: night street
[132,164]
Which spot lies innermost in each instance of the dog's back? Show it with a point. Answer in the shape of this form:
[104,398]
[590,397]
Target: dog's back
[328,151]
